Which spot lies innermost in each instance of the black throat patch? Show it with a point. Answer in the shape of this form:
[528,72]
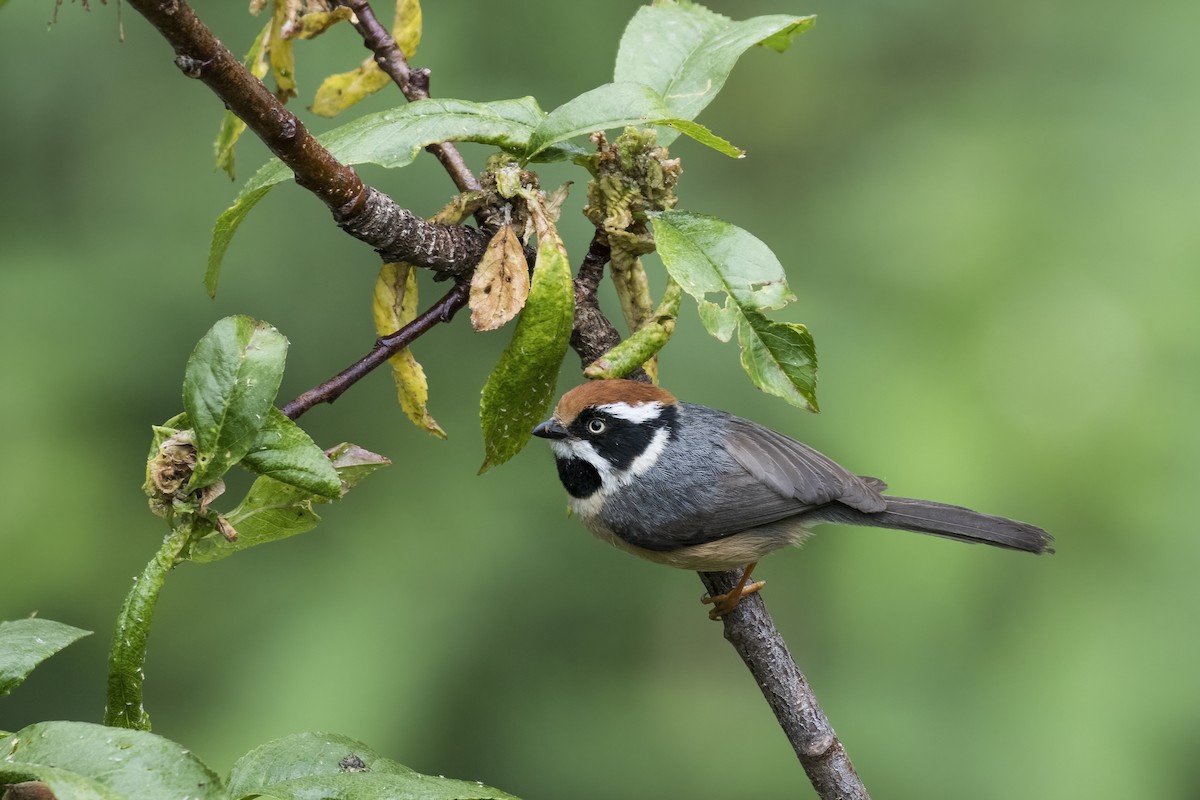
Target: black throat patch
[579,477]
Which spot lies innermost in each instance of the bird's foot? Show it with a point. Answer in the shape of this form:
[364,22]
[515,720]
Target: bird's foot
[722,604]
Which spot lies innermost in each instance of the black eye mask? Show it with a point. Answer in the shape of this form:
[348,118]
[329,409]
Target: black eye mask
[621,441]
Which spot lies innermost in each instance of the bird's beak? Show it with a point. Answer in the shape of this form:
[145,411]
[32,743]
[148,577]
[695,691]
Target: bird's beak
[550,429]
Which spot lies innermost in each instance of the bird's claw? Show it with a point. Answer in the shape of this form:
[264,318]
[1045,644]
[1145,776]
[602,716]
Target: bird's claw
[722,604]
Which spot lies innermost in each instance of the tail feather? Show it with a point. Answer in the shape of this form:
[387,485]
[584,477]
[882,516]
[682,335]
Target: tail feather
[953,522]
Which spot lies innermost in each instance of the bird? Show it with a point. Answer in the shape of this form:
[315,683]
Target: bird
[697,488]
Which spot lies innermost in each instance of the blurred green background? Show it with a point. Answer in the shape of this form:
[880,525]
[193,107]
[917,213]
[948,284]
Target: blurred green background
[988,212]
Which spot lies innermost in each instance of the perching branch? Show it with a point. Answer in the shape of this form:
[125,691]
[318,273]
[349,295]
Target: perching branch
[752,633]
[749,628]
[362,211]
[414,84]
[385,347]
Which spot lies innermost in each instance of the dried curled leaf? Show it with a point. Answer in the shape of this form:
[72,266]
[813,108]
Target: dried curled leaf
[394,306]
[500,284]
[519,391]
[169,468]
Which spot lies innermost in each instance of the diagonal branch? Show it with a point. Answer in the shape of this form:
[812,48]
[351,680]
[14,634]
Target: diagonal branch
[385,347]
[362,211]
[752,632]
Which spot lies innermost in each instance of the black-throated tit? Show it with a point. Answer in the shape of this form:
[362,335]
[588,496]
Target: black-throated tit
[696,488]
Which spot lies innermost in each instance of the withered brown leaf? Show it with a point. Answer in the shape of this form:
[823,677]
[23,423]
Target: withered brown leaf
[500,284]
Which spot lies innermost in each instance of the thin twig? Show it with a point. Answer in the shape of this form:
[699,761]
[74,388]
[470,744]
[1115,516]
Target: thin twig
[385,347]
[413,83]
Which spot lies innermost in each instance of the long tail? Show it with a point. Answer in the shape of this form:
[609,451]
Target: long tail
[953,522]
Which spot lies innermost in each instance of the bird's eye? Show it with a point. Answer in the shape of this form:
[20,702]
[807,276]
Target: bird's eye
[596,426]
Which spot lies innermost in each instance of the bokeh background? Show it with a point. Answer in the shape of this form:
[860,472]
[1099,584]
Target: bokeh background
[988,212]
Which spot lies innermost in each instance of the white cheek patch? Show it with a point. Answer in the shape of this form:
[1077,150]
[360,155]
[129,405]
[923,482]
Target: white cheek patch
[562,449]
[588,507]
[642,412]
[574,448]
[649,457]
[610,479]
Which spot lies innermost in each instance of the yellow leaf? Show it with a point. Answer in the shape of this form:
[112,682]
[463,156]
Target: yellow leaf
[231,126]
[394,306]
[338,92]
[315,23]
[500,283]
[342,90]
[281,53]
[406,29]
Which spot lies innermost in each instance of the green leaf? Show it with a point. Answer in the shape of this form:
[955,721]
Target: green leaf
[25,643]
[83,760]
[780,358]
[226,226]
[390,139]
[230,382]
[704,136]
[272,510]
[61,784]
[518,393]
[353,463]
[283,451]
[685,52]
[637,349]
[707,255]
[307,754]
[613,105]
[307,766]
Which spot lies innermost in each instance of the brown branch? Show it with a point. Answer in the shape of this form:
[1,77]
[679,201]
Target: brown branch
[592,334]
[385,347]
[367,214]
[751,631]
[413,83]
[749,628]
